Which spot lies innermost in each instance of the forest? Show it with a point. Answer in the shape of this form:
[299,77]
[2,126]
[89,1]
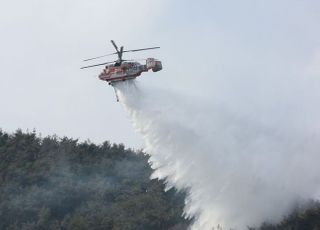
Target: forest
[59,183]
[62,183]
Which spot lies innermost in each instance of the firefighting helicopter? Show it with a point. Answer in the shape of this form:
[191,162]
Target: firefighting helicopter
[122,70]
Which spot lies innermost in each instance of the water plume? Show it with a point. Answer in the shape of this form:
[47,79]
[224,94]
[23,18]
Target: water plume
[239,171]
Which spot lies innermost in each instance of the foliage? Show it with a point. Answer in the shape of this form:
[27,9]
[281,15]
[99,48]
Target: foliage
[59,183]
[303,218]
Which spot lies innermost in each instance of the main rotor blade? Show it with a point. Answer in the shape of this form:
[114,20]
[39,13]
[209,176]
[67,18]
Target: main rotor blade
[151,48]
[120,53]
[123,51]
[137,59]
[115,46]
[89,66]
[89,59]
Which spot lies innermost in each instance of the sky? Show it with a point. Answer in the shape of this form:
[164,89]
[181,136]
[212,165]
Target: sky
[241,54]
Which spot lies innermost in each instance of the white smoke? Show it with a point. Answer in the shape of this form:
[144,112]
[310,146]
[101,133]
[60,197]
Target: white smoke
[240,169]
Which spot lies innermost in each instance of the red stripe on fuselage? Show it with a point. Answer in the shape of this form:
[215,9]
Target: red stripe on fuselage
[120,78]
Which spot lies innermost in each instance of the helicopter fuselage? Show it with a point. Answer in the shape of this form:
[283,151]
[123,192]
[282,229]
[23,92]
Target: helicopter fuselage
[128,70]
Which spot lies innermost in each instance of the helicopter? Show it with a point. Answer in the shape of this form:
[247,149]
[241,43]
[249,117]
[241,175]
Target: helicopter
[122,70]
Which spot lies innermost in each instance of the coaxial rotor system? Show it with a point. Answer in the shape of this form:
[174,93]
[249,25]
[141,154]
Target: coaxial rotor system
[118,52]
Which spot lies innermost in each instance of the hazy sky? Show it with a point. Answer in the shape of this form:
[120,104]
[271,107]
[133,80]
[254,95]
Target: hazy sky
[238,52]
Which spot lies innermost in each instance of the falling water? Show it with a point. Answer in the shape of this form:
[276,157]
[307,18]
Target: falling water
[239,171]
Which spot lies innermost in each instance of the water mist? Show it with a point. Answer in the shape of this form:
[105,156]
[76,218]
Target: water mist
[239,171]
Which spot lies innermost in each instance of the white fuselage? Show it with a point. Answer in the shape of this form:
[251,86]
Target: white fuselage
[128,70]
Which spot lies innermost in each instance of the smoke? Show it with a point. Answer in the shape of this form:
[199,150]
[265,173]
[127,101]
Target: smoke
[242,167]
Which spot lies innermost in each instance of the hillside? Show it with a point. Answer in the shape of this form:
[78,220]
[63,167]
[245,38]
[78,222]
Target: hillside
[53,183]
[60,183]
